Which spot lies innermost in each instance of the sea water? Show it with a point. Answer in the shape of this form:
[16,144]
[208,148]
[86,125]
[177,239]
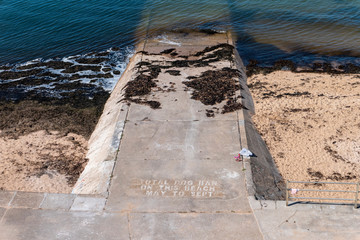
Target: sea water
[266,30]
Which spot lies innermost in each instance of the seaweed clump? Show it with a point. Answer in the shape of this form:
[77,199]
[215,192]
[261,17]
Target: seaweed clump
[317,67]
[209,55]
[210,88]
[213,87]
[231,106]
[142,85]
[253,68]
[73,114]
[70,166]
[335,176]
[173,72]
[138,87]
[315,175]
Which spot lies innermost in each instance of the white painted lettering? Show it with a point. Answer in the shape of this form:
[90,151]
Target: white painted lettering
[179,188]
[145,187]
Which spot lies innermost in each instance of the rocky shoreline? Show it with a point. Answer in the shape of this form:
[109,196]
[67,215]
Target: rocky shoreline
[48,110]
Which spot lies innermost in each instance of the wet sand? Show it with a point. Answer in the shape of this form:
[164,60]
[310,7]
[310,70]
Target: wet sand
[310,123]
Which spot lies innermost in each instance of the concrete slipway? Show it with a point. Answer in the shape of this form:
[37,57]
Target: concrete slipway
[170,173]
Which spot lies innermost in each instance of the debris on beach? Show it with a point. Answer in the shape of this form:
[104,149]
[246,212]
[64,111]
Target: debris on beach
[211,87]
[50,108]
[310,124]
[214,87]
[254,68]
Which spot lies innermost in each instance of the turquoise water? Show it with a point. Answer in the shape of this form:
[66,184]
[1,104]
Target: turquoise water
[266,30]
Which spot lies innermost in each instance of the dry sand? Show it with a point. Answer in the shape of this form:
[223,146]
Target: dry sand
[43,144]
[41,161]
[311,124]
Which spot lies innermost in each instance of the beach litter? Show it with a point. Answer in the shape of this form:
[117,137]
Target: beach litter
[238,158]
[294,191]
[246,153]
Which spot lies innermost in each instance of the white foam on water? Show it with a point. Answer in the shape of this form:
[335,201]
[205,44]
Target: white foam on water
[121,60]
[116,60]
[11,80]
[70,59]
[37,60]
[57,71]
[164,39]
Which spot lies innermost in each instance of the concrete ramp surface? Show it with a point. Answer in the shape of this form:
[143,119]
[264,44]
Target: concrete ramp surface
[174,117]
[175,176]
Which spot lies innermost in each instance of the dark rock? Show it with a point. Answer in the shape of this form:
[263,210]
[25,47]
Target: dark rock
[91,60]
[101,54]
[19,74]
[78,68]
[106,69]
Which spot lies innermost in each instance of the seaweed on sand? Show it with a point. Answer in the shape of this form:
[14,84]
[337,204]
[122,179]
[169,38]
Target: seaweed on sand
[253,68]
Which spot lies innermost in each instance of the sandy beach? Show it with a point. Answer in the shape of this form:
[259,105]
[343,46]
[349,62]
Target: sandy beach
[43,146]
[42,161]
[310,123]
